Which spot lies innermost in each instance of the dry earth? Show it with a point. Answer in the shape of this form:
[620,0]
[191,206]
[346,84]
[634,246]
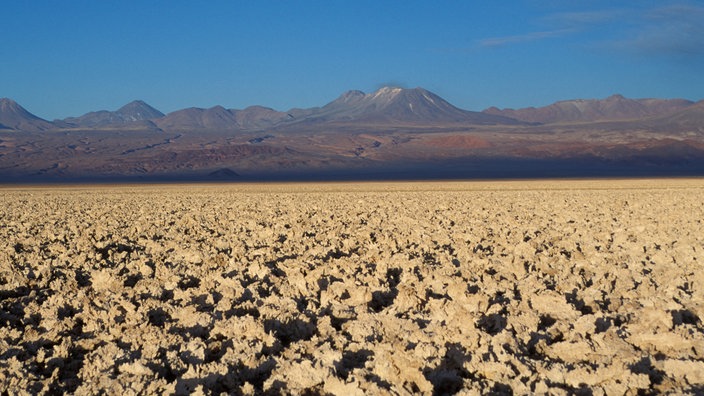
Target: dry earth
[586,287]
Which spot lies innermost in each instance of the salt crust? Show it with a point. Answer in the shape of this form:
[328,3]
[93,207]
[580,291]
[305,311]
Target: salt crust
[351,289]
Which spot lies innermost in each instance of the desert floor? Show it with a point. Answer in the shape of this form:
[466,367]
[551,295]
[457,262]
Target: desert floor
[585,287]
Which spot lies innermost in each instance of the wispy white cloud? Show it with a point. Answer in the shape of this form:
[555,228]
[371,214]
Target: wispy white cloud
[560,24]
[583,19]
[522,38]
[675,29]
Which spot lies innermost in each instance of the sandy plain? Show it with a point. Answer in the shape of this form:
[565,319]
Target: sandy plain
[561,287]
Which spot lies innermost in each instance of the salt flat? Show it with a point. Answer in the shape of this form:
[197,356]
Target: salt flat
[367,288]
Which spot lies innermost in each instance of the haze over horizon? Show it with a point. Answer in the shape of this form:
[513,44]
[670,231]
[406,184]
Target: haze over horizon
[65,60]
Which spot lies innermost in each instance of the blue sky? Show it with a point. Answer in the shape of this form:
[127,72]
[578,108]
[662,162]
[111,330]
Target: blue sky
[65,58]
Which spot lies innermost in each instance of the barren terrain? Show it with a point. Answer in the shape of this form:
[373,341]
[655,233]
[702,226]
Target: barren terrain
[586,287]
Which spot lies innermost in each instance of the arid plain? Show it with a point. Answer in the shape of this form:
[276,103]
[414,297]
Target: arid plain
[592,287]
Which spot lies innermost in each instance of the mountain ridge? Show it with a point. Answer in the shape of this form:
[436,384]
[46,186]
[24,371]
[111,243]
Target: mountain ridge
[613,108]
[134,111]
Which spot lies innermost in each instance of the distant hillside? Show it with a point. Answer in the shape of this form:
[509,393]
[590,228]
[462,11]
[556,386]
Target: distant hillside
[691,117]
[215,118]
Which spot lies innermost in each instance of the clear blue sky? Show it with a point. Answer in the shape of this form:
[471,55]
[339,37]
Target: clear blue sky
[65,58]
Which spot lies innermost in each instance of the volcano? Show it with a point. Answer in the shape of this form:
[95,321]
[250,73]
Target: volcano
[399,106]
[15,117]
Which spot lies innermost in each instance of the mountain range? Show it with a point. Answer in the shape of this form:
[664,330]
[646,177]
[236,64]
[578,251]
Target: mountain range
[393,131]
[388,105]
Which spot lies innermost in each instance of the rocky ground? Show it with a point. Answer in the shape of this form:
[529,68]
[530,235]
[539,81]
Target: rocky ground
[586,287]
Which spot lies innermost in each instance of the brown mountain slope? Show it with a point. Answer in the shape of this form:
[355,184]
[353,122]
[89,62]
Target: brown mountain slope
[258,117]
[692,117]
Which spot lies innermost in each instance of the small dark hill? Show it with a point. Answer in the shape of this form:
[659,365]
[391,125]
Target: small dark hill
[223,174]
